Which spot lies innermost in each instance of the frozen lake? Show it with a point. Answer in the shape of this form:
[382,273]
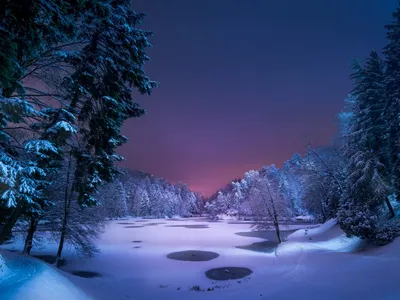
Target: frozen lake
[320,263]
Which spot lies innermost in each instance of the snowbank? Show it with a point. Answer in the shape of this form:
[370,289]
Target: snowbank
[30,279]
[327,237]
[324,232]
[3,268]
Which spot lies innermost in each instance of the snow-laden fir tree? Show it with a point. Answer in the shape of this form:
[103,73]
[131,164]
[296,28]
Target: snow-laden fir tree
[392,91]
[171,201]
[31,33]
[107,69]
[367,146]
[114,200]
[157,204]
[143,202]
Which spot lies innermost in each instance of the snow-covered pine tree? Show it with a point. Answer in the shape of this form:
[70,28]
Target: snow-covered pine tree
[221,203]
[107,69]
[211,209]
[17,176]
[171,201]
[116,205]
[31,32]
[188,200]
[157,207]
[58,131]
[369,181]
[392,90]
[143,202]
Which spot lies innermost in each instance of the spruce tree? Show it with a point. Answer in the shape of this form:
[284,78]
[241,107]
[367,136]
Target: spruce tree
[31,32]
[392,87]
[106,71]
[367,149]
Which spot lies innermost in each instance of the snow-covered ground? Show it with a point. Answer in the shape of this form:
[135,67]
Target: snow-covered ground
[30,279]
[319,263]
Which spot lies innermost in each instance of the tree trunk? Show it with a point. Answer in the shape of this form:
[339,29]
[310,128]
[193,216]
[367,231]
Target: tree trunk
[274,215]
[64,228]
[323,211]
[278,232]
[7,228]
[390,207]
[29,238]
[67,203]
[61,244]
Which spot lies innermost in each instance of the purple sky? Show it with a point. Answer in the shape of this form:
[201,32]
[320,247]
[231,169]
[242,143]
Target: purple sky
[245,83]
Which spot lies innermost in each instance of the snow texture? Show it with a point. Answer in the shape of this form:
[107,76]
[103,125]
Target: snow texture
[325,268]
[30,279]
[3,268]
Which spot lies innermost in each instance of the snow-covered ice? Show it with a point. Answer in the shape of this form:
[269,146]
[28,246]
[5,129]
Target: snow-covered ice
[324,267]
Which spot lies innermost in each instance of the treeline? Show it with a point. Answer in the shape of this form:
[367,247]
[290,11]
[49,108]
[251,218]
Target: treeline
[356,179]
[139,194]
[67,73]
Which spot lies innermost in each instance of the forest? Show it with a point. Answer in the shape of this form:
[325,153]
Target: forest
[69,75]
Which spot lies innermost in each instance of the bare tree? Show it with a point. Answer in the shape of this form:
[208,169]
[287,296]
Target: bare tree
[268,205]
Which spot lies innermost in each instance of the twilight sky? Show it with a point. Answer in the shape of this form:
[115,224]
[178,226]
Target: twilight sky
[245,83]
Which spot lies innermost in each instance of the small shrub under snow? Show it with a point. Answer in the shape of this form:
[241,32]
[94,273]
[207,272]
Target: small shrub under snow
[387,232]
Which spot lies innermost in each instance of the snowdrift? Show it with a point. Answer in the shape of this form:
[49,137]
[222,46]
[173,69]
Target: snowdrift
[30,279]
[327,237]
[3,268]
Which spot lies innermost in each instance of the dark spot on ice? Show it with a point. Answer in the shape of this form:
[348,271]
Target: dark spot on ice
[153,224]
[141,221]
[242,222]
[196,226]
[228,273]
[136,241]
[125,223]
[86,274]
[205,220]
[134,226]
[265,247]
[136,247]
[267,235]
[193,255]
